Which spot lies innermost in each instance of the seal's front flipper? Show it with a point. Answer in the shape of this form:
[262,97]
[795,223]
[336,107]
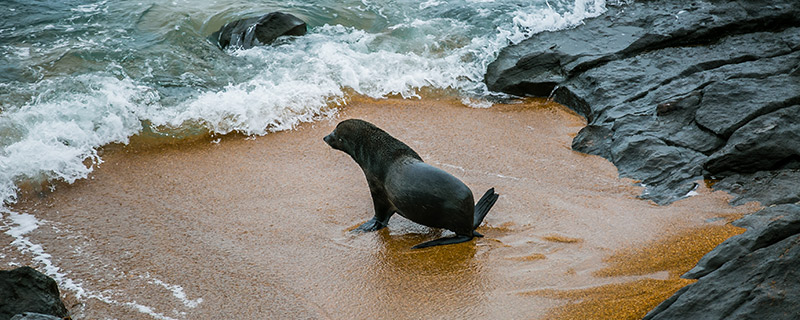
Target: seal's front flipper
[443,241]
[371,225]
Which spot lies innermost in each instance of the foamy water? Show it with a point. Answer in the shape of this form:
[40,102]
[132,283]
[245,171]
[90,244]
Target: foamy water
[78,75]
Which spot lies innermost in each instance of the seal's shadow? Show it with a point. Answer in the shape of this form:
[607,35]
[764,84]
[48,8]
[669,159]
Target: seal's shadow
[395,244]
[391,248]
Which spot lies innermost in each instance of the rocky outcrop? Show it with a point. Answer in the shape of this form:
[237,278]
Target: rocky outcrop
[248,33]
[678,91]
[764,229]
[768,187]
[675,91]
[750,276]
[27,292]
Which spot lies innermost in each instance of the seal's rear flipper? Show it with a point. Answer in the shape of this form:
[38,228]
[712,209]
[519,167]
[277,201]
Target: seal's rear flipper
[443,241]
[482,207]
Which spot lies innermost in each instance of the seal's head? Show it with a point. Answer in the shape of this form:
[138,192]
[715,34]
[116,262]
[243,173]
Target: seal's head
[347,133]
[368,145]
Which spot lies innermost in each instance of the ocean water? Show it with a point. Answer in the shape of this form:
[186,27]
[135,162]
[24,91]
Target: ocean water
[77,75]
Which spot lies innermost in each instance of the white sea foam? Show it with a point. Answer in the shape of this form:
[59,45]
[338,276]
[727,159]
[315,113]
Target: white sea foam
[25,224]
[429,3]
[19,225]
[146,310]
[177,292]
[56,134]
[527,23]
[295,82]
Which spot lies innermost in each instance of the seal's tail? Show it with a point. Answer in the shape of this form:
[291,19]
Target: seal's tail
[482,207]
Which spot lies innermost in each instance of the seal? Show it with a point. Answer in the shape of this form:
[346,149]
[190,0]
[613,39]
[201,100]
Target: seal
[401,182]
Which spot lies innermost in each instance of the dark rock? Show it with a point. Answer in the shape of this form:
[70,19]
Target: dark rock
[25,290]
[728,105]
[659,163]
[771,187]
[593,140]
[248,33]
[750,276]
[764,228]
[34,316]
[665,85]
[769,142]
[675,124]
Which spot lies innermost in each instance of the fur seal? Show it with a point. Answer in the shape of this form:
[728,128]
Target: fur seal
[401,182]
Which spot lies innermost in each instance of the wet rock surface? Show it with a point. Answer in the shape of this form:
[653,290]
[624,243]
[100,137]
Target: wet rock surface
[674,91]
[750,276]
[677,91]
[27,292]
[248,33]
[764,229]
[34,316]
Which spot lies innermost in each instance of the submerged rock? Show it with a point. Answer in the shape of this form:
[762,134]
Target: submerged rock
[25,290]
[674,91]
[248,33]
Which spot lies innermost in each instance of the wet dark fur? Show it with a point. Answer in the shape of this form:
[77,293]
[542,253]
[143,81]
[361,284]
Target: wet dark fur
[401,182]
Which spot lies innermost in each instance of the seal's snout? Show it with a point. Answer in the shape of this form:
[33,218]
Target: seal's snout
[332,141]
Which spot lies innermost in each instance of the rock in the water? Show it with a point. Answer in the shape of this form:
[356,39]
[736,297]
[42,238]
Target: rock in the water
[248,33]
[670,87]
[34,316]
[25,290]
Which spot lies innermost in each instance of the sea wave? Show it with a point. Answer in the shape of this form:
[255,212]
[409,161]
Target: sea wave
[55,136]
[103,73]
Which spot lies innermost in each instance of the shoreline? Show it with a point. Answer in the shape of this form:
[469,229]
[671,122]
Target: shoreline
[258,227]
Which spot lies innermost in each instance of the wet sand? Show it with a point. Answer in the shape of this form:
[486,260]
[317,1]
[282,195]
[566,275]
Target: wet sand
[257,228]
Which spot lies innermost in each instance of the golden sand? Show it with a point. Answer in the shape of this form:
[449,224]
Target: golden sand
[560,238]
[257,228]
[675,254]
[532,257]
[629,300]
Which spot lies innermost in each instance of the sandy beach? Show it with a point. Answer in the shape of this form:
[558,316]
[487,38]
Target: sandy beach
[236,227]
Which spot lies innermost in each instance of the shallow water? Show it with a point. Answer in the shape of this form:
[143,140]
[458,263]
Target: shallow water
[245,228]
